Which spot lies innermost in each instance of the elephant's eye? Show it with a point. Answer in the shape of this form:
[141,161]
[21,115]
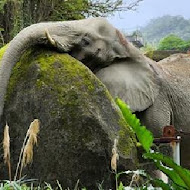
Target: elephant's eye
[85,42]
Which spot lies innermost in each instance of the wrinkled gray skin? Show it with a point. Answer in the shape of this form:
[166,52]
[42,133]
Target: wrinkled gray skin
[159,97]
[159,93]
[89,40]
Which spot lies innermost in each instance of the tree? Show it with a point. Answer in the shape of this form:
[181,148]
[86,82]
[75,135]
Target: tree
[160,27]
[173,42]
[18,14]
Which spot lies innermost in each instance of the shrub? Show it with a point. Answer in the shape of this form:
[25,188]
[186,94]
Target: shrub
[179,176]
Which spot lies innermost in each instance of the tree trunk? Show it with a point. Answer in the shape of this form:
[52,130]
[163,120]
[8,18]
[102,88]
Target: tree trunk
[8,20]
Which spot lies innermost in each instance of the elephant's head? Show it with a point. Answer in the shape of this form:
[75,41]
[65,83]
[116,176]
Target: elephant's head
[93,41]
[135,79]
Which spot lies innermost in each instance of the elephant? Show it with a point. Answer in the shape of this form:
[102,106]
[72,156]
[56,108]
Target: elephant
[91,41]
[157,93]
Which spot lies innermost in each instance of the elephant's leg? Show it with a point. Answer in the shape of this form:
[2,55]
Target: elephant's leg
[160,115]
[157,116]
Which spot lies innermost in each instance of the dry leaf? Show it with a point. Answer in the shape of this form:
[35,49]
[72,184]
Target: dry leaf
[6,144]
[115,156]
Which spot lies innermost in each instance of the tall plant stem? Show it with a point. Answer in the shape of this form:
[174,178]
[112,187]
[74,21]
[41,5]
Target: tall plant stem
[116,181]
[20,157]
[9,168]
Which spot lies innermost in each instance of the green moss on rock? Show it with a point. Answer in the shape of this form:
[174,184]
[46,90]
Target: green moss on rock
[127,140]
[51,66]
[79,117]
[47,63]
[161,54]
[2,51]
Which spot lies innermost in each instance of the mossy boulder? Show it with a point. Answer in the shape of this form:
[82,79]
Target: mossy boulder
[161,54]
[79,121]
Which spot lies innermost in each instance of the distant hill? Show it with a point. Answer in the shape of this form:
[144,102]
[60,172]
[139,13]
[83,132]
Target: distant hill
[163,26]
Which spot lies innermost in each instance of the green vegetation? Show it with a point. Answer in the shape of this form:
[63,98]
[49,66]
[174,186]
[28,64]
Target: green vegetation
[31,185]
[149,48]
[144,136]
[16,15]
[46,62]
[166,33]
[160,27]
[167,46]
[173,42]
[2,51]
[180,177]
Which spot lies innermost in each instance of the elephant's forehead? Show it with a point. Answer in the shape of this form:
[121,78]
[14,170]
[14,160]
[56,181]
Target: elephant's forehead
[100,26]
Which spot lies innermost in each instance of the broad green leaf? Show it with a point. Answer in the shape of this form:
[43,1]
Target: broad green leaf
[144,136]
[177,174]
[121,187]
[176,182]
[160,183]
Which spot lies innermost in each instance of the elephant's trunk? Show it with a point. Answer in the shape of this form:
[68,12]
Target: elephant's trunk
[12,55]
[28,37]
[95,36]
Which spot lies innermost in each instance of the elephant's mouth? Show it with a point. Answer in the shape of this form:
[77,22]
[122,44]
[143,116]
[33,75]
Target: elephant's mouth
[94,64]
[92,61]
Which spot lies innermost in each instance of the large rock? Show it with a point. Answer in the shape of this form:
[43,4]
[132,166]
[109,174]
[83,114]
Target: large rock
[159,55]
[79,121]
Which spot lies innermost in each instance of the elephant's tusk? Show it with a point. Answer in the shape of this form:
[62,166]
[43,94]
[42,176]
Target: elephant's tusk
[50,39]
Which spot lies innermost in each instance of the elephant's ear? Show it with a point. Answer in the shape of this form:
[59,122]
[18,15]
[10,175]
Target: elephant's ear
[119,46]
[132,82]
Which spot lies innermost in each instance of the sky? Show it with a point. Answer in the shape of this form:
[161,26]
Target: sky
[147,10]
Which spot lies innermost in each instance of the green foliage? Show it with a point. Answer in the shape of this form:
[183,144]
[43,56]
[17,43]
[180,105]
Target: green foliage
[148,48]
[1,38]
[160,27]
[21,184]
[29,185]
[173,42]
[160,183]
[179,176]
[2,51]
[170,42]
[2,3]
[18,14]
[121,186]
[144,136]
[70,10]
[22,13]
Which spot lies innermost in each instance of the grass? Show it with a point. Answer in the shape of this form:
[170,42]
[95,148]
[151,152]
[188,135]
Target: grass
[139,179]
[30,185]
[25,157]
[26,153]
